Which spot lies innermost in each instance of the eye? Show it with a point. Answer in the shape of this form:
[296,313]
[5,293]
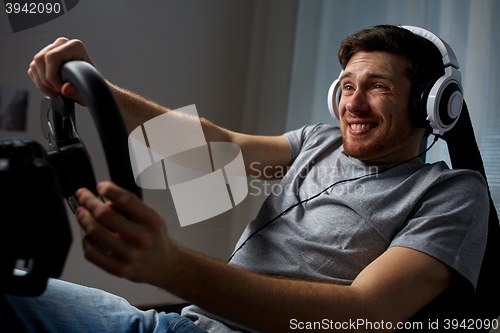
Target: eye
[347,88]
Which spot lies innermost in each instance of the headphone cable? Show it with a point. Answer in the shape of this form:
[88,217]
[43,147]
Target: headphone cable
[436,137]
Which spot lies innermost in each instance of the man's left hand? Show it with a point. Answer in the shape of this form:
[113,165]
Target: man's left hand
[138,247]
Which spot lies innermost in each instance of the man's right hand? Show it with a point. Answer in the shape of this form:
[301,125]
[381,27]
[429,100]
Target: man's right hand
[46,64]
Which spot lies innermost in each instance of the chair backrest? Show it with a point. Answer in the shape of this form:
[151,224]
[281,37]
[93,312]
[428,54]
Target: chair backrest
[480,309]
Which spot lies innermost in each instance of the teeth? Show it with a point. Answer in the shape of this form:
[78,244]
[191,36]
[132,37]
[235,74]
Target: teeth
[358,127]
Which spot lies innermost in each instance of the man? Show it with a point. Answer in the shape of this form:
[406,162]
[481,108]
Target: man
[374,248]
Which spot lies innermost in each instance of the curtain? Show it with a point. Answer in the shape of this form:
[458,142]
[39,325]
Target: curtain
[470,27]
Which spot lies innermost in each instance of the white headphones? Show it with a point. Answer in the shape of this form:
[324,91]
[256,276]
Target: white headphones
[437,103]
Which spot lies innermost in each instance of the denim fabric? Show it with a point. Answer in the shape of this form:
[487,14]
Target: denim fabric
[183,325]
[67,307]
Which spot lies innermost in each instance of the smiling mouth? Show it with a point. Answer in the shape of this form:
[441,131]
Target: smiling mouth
[360,127]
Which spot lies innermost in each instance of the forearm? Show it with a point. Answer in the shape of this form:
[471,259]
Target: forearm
[136,110]
[263,303]
[259,152]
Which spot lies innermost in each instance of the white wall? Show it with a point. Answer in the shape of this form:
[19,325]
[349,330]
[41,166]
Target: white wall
[230,58]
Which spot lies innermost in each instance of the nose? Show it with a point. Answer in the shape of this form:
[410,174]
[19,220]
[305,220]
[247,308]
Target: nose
[357,102]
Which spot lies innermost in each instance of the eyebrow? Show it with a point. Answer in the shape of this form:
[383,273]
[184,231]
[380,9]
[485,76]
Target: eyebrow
[370,75]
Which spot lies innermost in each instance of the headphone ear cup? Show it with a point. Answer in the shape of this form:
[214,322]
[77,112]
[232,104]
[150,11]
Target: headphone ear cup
[418,104]
[334,94]
[442,117]
[450,105]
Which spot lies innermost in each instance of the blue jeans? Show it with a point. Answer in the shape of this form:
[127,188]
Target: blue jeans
[67,307]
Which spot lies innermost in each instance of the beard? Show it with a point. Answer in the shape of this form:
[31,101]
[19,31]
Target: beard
[381,146]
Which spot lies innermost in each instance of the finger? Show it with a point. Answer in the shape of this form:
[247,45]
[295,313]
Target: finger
[130,203]
[97,235]
[130,232]
[69,90]
[32,72]
[112,260]
[39,62]
[56,56]
[109,263]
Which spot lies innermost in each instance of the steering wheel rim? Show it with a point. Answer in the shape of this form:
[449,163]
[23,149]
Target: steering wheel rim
[107,118]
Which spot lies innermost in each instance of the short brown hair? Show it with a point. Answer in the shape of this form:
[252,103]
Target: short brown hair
[424,59]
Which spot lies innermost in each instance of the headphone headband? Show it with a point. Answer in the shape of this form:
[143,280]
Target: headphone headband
[449,57]
[436,104]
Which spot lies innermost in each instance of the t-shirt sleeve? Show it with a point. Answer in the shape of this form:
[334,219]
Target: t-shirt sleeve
[450,223]
[305,136]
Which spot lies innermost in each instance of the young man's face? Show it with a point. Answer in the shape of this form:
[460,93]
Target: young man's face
[374,109]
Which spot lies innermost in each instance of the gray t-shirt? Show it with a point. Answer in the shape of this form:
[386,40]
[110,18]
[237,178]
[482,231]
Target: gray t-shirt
[333,237]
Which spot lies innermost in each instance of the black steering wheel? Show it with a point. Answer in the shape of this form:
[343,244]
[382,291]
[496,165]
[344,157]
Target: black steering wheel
[36,233]
[109,124]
